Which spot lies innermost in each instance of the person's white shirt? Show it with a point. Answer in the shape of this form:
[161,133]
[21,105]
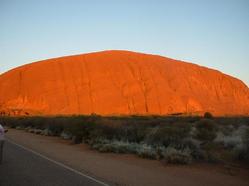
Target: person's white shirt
[1,133]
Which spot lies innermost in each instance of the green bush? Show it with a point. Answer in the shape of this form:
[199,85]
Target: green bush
[115,146]
[172,134]
[146,151]
[242,153]
[133,133]
[172,155]
[208,115]
[206,130]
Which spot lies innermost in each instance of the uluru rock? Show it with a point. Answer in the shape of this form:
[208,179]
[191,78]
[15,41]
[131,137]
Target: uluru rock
[120,83]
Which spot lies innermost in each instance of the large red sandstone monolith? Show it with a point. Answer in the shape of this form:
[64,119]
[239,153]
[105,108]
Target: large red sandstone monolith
[120,83]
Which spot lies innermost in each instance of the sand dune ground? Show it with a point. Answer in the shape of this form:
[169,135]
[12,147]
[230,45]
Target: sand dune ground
[128,169]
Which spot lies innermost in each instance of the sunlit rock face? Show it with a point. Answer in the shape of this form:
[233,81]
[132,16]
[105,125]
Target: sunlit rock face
[120,83]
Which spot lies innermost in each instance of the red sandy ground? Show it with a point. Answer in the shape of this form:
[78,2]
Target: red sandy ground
[120,83]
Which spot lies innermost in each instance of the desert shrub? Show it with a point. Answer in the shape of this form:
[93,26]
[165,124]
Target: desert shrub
[105,148]
[235,122]
[45,132]
[242,152]
[208,115]
[56,129]
[127,147]
[205,130]
[227,130]
[35,122]
[230,141]
[79,130]
[66,135]
[77,139]
[116,146]
[103,132]
[10,122]
[168,135]
[133,133]
[232,137]
[172,155]
[146,151]
[142,150]
[212,152]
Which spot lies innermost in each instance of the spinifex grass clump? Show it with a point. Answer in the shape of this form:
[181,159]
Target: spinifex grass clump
[172,139]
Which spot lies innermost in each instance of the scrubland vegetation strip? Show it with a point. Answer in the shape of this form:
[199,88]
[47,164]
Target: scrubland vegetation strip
[180,140]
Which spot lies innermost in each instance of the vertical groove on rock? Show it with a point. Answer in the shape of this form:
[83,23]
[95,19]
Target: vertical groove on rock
[78,99]
[120,89]
[77,94]
[142,85]
[130,68]
[144,89]
[156,90]
[81,75]
[20,83]
[134,78]
[60,65]
[126,98]
[123,93]
[89,85]
[133,104]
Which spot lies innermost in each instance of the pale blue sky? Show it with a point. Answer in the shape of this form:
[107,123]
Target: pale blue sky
[212,33]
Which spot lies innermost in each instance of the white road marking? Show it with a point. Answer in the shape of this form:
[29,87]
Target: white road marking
[58,163]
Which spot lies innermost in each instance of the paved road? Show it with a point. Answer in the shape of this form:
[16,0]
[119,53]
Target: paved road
[22,167]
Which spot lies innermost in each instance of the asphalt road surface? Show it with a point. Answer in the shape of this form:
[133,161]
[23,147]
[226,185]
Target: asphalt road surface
[22,167]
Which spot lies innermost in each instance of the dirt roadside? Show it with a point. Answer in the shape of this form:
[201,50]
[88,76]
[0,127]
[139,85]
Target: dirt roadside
[128,169]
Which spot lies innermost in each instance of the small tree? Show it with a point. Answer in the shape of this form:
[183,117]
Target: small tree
[208,115]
